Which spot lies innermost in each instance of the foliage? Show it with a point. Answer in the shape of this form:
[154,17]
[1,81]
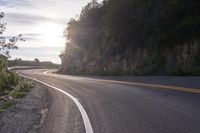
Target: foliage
[136,23]
[18,91]
[119,27]
[46,64]
[3,62]
[152,65]
[37,60]
[10,83]
[6,105]
[7,79]
[21,89]
[7,43]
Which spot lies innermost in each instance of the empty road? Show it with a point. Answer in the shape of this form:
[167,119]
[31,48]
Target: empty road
[93,105]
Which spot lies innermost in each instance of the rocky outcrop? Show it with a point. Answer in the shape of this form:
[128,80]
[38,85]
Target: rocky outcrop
[179,60]
[134,37]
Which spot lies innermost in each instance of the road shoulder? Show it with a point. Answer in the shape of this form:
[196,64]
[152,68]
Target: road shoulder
[28,114]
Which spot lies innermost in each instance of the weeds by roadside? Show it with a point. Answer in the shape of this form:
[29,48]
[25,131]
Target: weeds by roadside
[18,92]
[5,104]
[12,87]
[21,89]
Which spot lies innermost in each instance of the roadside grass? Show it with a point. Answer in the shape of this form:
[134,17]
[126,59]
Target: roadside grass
[7,104]
[19,91]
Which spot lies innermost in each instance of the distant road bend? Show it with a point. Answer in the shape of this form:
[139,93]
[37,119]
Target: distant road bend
[93,105]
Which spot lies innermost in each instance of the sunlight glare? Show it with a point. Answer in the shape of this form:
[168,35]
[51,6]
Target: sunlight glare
[51,34]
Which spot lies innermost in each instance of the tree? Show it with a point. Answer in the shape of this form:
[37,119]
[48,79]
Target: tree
[7,79]
[116,29]
[6,44]
[37,60]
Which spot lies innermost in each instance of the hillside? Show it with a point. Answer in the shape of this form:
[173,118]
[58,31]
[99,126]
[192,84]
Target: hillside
[46,64]
[134,37]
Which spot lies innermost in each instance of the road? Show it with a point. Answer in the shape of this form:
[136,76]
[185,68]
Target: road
[114,107]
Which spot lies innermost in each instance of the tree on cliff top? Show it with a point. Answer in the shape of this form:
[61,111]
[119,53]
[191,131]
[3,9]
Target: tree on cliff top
[136,23]
[115,29]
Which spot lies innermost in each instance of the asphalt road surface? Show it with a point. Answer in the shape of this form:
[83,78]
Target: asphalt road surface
[114,107]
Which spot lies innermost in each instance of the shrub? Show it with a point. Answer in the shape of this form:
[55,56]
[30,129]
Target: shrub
[6,105]
[153,64]
[21,89]
[8,80]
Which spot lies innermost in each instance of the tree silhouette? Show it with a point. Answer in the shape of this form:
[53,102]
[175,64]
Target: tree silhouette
[7,43]
[116,29]
[36,60]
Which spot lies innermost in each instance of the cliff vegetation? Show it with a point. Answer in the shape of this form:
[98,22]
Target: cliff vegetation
[134,37]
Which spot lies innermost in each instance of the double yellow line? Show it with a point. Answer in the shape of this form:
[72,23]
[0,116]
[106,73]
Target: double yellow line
[185,89]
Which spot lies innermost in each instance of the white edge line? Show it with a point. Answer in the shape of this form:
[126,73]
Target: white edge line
[86,120]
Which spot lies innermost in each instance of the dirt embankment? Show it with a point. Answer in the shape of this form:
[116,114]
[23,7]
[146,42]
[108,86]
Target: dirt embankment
[28,114]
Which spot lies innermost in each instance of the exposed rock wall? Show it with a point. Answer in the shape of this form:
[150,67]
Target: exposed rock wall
[179,60]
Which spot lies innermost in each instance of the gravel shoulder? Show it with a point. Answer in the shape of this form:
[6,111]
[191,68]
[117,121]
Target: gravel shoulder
[28,114]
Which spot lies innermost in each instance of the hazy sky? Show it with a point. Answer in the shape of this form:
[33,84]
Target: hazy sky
[42,23]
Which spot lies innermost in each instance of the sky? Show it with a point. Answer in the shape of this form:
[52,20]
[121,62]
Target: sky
[42,24]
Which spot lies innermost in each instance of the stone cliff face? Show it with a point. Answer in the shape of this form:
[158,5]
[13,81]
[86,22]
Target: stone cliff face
[179,60]
[134,37]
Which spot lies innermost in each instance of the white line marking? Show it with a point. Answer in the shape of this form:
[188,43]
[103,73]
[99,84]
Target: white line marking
[86,120]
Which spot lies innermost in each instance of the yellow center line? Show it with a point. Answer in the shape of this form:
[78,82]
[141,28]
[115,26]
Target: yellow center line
[185,89]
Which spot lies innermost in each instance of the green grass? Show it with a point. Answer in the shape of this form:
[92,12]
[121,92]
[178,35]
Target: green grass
[7,104]
[21,89]
[11,85]
[18,95]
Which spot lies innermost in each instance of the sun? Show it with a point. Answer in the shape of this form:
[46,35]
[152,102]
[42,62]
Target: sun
[51,34]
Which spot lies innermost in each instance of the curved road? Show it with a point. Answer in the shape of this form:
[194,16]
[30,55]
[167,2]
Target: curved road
[113,107]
